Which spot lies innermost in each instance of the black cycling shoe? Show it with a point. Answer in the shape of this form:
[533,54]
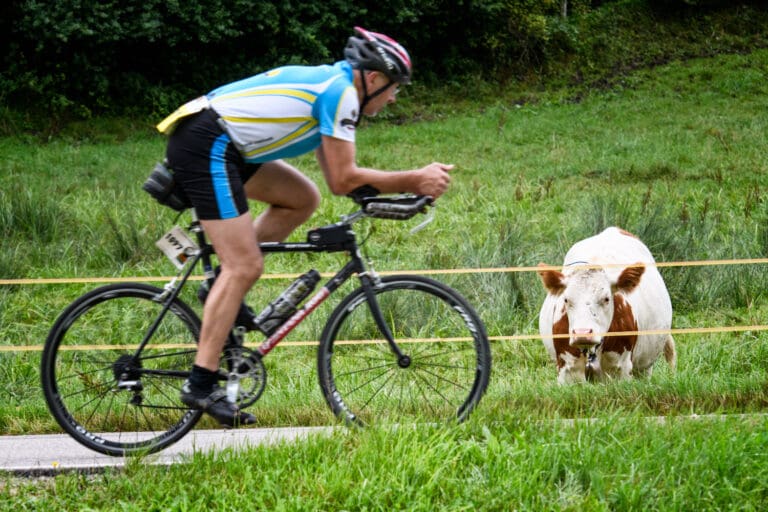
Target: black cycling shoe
[245,316]
[216,405]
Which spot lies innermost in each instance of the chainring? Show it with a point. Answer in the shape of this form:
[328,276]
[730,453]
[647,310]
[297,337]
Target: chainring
[242,369]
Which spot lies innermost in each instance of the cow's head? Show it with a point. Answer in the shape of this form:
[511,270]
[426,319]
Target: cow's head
[587,297]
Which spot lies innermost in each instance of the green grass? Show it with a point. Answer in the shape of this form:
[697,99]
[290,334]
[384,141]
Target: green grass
[621,462]
[675,155]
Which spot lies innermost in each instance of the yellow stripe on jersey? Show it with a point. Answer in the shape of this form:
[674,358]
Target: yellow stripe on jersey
[285,140]
[302,119]
[302,95]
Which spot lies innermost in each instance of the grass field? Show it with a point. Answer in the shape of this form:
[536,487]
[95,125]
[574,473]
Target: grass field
[675,155]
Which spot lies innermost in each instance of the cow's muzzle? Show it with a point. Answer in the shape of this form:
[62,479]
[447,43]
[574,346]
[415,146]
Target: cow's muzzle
[584,339]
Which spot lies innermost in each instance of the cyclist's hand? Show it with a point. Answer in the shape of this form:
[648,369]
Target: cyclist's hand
[433,179]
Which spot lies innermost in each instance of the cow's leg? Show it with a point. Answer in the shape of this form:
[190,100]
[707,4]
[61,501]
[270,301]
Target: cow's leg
[572,369]
[616,365]
[646,373]
[670,354]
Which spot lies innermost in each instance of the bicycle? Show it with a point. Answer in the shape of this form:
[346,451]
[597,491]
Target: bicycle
[396,349]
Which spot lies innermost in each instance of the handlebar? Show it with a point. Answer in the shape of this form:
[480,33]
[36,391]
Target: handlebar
[400,207]
[396,207]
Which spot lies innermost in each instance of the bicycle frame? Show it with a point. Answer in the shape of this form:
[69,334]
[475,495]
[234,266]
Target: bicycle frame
[336,237]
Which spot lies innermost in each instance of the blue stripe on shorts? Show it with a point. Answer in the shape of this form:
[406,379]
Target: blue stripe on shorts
[224,199]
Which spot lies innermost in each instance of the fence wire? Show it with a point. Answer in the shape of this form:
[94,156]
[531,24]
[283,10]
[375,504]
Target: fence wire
[520,337]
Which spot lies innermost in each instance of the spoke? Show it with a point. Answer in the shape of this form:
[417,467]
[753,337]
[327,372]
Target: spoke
[169,354]
[160,390]
[382,356]
[93,411]
[424,394]
[98,388]
[151,427]
[369,368]
[106,416]
[400,398]
[122,422]
[444,379]
[433,388]
[392,374]
[366,383]
[421,364]
[80,375]
[447,351]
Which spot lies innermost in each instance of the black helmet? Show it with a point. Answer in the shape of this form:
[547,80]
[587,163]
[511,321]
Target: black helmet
[377,52]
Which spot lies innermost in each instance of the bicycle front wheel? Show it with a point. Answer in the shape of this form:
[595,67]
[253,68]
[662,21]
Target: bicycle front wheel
[448,355]
[104,394]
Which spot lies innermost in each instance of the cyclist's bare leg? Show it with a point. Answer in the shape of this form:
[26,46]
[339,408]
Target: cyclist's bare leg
[291,196]
[241,265]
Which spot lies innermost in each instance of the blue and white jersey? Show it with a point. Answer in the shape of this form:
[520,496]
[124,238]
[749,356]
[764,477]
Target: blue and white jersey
[283,113]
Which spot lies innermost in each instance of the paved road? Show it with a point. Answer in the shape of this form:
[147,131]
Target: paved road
[49,454]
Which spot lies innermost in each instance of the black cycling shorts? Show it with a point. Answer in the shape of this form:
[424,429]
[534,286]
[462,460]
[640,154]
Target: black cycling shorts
[208,167]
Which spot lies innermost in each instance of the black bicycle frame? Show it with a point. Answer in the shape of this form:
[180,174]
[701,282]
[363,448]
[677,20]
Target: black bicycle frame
[333,238]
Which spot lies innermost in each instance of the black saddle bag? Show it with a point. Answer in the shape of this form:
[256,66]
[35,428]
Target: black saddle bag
[162,186]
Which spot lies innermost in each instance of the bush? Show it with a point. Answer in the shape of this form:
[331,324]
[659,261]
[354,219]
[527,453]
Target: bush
[86,57]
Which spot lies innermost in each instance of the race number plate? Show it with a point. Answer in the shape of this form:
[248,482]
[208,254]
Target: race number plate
[177,246]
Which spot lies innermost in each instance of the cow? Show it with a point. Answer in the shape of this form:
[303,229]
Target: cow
[609,283]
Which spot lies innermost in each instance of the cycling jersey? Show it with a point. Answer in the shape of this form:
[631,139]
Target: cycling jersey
[218,140]
[284,112]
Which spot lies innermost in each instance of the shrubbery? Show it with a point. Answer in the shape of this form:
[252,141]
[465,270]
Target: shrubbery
[147,56]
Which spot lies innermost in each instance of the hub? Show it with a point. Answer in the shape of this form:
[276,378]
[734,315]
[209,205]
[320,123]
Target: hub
[127,373]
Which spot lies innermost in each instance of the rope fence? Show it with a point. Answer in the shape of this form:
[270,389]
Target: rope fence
[147,279]
[521,337]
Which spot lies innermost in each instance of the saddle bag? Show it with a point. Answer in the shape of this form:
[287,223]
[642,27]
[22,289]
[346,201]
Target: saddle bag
[162,186]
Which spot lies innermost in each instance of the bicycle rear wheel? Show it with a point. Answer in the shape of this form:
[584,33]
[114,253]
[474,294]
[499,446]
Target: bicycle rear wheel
[103,394]
[442,335]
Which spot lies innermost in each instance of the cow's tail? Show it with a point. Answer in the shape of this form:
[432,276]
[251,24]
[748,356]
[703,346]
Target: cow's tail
[670,354]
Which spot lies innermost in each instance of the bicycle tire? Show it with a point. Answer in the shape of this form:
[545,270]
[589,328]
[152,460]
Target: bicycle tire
[90,391]
[450,356]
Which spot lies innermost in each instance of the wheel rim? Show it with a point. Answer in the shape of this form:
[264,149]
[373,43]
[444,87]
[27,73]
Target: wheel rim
[104,397]
[440,335]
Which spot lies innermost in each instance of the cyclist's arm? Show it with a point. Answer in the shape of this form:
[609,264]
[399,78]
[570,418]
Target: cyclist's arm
[337,160]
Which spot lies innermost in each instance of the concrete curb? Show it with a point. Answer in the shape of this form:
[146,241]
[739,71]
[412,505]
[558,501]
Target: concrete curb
[40,455]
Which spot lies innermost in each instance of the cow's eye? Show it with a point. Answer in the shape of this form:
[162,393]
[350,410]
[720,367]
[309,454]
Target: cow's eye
[606,300]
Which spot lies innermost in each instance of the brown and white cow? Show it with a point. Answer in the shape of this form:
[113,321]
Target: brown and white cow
[609,283]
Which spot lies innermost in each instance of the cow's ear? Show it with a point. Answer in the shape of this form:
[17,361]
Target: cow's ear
[552,279]
[629,278]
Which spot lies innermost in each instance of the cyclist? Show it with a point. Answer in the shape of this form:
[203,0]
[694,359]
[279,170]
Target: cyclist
[229,146]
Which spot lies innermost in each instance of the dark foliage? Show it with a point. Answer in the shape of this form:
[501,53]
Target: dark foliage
[81,57]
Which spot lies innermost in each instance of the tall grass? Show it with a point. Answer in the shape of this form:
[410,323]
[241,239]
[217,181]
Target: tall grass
[674,156]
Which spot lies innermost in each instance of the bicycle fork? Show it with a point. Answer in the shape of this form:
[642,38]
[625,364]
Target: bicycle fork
[403,360]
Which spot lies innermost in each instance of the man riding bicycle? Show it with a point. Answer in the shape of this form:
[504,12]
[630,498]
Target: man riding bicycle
[228,146]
